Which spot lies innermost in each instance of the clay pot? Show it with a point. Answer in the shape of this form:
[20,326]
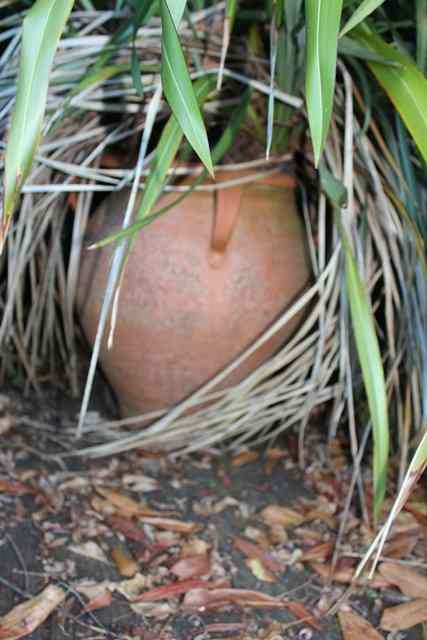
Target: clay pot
[202,283]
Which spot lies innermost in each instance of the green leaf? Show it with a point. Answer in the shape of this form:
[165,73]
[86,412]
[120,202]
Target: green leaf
[421,17]
[363,11]
[136,72]
[42,28]
[333,188]
[166,151]
[323,21]
[176,8]
[230,15]
[178,88]
[404,84]
[157,177]
[231,9]
[289,19]
[372,370]
[348,47]
[144,10]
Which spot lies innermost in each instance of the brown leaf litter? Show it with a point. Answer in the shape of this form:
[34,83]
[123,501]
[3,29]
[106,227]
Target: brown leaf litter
[28,616]
[244,547]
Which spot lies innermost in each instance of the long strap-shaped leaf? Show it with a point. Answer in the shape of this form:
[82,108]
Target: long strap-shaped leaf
[421,23]
[323,21]
[177,85]
[372,370]
[162,163]
[364,9]
[42,28]
[230,15]
[403,82]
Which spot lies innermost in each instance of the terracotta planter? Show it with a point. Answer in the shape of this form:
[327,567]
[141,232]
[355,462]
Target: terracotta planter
[203,281]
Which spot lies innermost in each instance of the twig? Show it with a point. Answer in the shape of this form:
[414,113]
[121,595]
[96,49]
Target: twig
[21,561]
[409,563]
[14,588]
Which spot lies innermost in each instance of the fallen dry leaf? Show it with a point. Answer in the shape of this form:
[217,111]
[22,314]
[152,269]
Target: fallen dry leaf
[6,424]
[15,488]
[401,546]
[405,522]
[167,539]
[418,504]
[103,507]
[354,627]
[323,516]
[244,457]
[224,627]
[317,553]
[90,549]
[26,617]
[74,484]
[410,582]
[404,616]
[177,588]
[367,534]
[171,525]
[127,506]
[275,514]
[345,575]
[140,482]
[276,453]
[278,534]
[251,550]
[259,570]
[256,535]
[419,516]
[158,610]
[273,455]
[132,588]
[225,503]
[208,506]
[192,567]
[195,547]
[201,599]
[127,527]
[93,590]
[100,601]
[301,612]
[129,589]
[126,565]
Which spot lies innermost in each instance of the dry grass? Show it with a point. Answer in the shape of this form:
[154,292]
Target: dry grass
[38,274]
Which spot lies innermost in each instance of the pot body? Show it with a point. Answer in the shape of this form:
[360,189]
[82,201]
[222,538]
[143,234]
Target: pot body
[201,284]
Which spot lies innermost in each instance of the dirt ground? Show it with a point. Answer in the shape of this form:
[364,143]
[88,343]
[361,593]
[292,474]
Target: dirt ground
[213,546]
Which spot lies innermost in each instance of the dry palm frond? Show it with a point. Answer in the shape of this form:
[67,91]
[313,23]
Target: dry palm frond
[38,275]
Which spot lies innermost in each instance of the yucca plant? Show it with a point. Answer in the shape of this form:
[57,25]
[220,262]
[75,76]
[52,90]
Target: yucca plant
[367,116]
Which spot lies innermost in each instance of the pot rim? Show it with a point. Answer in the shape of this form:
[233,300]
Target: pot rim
[184,168]
[226,178]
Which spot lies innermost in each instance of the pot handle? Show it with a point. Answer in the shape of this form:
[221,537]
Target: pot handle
[227,207]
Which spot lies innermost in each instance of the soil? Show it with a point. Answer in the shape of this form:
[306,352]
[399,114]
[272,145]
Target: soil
[56,514]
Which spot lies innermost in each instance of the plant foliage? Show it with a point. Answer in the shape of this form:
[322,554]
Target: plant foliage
[364,66]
